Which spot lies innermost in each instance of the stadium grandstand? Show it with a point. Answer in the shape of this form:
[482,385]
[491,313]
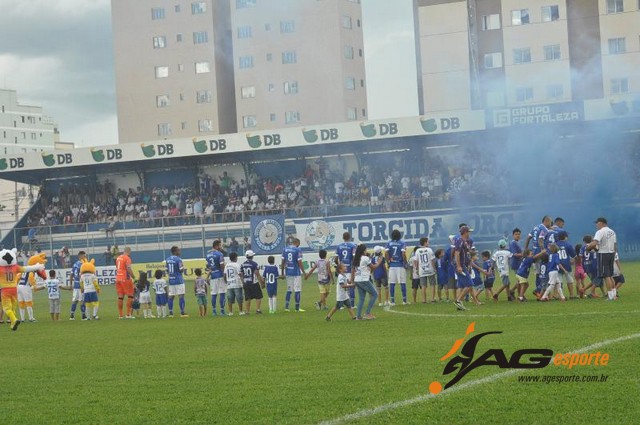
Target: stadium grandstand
[188,192]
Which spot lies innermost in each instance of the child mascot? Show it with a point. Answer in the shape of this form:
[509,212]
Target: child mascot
[9,271]
[90,288]
[26,283]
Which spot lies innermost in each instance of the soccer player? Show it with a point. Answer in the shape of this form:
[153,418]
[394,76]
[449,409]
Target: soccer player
[175,268]
[252,282]
[554,266]
[325,278]
[567,253]
[342,293]
[538,235]
[426,265]
[200,290]
[501,258]
[488,270]
[380,277]
[345,252]
[53,293]
[292,268]
[124,283]
[516,253]
[522,274]
[215,267]
[606,244]
[270,275]
[397,257]
[160,288]
[74,281]
[462,257]
[233,278]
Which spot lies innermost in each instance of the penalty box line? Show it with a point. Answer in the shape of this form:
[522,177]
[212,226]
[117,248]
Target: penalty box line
[486,380]
[462,315]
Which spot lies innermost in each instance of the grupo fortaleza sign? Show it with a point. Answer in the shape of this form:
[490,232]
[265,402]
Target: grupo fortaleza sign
[536,114]
[291,137]
[489,224]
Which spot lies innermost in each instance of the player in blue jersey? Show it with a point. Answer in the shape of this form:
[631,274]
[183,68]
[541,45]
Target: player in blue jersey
[516,253]
[462,256]
[381,277]
[74,282]
[175,268]
[252,283]
[345,252]
[450,266]
[566,253]
[270,276]
[522,274]
[590,264]
[397,257]
[293,269]
[441,269]
[552,234]
[554,267]
[538,236]
[215,267]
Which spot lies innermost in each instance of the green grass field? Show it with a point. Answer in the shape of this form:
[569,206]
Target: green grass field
[295,368]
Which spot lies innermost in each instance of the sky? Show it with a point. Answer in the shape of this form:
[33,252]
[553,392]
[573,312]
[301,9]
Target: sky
[58,54]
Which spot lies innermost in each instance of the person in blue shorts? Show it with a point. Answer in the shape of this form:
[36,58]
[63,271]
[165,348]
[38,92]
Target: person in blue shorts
[270,275]
[462,256]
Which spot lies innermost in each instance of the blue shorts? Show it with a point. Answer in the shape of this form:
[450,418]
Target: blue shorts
[91,297]
[272,289]
[464,280]
[161,299]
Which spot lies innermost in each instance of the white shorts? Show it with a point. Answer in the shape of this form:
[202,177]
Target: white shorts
[294,283]
[567,278]
[176,290]
[218,286]
[397,275]
[145,298]
[25,294]
[554,278]
[77,296]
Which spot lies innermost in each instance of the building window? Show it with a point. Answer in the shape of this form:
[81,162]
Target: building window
[269,57]
[198,7]
[617,46]
[348,52]
[205,125]
[291,117]
[267,27]
[287,26]
[244,32]
[350,83]
[347,22]
[245,62]
[272,117]
[162,101]
[159,42]
[162,71]
[200,37]
[550,13]
[289,57]
[493,60]
[615,6]
[555,91]
[271,87]
[241,4]
[491,22]
[177,8]
[524,94]
[520,17]
[180,67]
[552,53]
[157,13]
[521,55]
[164,129]
[203,67]
[183,125]
[352,114]
[203,96]
[249,121]
[619,85]
[290,87]
[179,38]
[248,92]
[495,99]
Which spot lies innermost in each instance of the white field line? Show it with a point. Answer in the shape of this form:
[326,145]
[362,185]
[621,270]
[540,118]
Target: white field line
[463,315]
[486,380]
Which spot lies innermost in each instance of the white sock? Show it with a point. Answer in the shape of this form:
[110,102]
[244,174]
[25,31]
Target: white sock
[610,294]
[275,301]
[95,311]
[159,309]
[165,311]
[615,293]
[30,312]
[270,304]
[22,314]
[560,292]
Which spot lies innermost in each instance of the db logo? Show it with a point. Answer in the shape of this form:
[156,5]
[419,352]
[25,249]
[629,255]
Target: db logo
[50,159]
[162,150]
[202,146]
[266,139]
[13,163]
[384,129]
[100,155]
[311,136]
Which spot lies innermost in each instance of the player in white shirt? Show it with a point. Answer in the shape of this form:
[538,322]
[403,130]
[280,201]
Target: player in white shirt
[361,269]
[501,259]
[160,288]
[233,277]
[606,243]
[425,264]
[342,292]
[53,287]
[90,289]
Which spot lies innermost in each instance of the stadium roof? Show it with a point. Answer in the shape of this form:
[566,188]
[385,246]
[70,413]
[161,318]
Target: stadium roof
[444,128]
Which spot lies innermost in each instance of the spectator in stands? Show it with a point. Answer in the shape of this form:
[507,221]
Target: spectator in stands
[234,246]
[108,256]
